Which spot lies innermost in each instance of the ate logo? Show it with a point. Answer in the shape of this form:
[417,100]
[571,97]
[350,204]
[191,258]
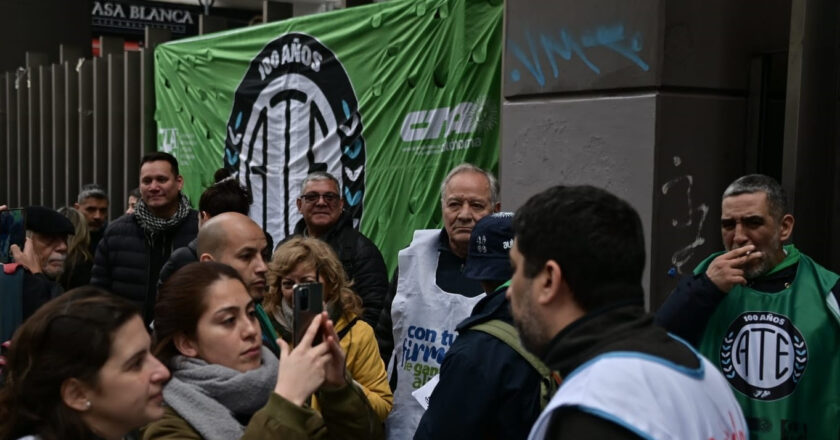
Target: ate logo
[295,112]
[763,355]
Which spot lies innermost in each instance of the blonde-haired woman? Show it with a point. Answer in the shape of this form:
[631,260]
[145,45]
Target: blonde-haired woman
[79,261]
[306,260]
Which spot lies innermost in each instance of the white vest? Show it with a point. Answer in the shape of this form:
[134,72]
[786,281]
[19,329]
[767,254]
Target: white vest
[651,397]
[424,318]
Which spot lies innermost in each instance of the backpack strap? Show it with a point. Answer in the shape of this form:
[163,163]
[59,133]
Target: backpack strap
[549,380]
[347,328]
[508,334]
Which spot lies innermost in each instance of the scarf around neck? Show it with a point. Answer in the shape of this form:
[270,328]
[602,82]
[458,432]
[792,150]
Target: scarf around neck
[154,224]
[210,396]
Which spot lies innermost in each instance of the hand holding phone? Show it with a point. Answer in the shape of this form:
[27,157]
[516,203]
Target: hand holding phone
[12,232]
[334,370]
[308,303]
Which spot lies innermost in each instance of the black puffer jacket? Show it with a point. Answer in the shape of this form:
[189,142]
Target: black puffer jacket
[361,260]
[180,258]
[128,264]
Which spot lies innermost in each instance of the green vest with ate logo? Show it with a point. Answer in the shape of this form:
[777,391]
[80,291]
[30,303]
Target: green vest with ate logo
[780,353]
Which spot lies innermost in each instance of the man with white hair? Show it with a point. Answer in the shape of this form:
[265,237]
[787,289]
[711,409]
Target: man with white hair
[430,294]
[42,257]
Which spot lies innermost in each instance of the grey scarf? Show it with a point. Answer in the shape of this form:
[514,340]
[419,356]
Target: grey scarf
[208,395]
[154,224]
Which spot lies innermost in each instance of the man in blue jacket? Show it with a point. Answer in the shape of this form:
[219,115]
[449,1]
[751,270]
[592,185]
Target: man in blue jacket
[486,389]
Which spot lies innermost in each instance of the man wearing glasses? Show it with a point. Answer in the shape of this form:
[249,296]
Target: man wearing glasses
[324,218]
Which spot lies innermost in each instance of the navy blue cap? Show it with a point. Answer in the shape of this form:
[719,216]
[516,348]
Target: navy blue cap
[46,221]
[490,243]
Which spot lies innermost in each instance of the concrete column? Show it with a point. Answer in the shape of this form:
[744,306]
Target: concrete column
[647,99]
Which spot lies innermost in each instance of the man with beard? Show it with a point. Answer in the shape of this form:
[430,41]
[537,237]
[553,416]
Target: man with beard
[577,300]
[767,315]
[93,204]
[135,246]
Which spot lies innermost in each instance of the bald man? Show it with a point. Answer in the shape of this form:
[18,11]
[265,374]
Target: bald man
[234,239]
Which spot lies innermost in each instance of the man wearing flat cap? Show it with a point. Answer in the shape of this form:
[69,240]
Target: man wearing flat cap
[42,256]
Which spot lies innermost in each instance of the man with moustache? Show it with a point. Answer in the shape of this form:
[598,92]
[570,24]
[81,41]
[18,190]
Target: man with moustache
[92,202]
[42,256]
[577,300]
[767,315]
[321,207]
[430,294]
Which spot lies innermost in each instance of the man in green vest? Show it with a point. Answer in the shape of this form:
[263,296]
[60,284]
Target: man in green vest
[767,315]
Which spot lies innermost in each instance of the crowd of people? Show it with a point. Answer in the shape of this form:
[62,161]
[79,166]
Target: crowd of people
[170,322]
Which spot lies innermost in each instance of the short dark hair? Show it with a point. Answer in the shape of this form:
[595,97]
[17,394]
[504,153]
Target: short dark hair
[68,337]
[134,193]
[226,195]
[91,190]
[594,236]
[181,303]
[753,183]
[162,155]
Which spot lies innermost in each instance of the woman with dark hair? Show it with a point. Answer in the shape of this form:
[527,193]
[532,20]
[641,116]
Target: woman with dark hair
[79,260]
[80,368]
[226,385]
[305,260]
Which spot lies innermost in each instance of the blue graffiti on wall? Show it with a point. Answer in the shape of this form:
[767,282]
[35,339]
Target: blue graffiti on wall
[567,45]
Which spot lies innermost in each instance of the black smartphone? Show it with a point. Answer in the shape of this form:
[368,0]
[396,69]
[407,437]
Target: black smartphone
[12,231]
[309,303]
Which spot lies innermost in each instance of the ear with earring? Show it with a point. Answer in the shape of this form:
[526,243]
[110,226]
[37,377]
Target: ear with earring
[87,404]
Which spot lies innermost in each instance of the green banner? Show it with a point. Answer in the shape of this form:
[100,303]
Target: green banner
[386,97]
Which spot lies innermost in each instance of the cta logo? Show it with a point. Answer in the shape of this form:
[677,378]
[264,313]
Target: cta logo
[295,112]
[763,355]
[440,123]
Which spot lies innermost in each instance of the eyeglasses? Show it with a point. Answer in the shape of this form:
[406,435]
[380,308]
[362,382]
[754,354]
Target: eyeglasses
[312,197]
[289,284]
